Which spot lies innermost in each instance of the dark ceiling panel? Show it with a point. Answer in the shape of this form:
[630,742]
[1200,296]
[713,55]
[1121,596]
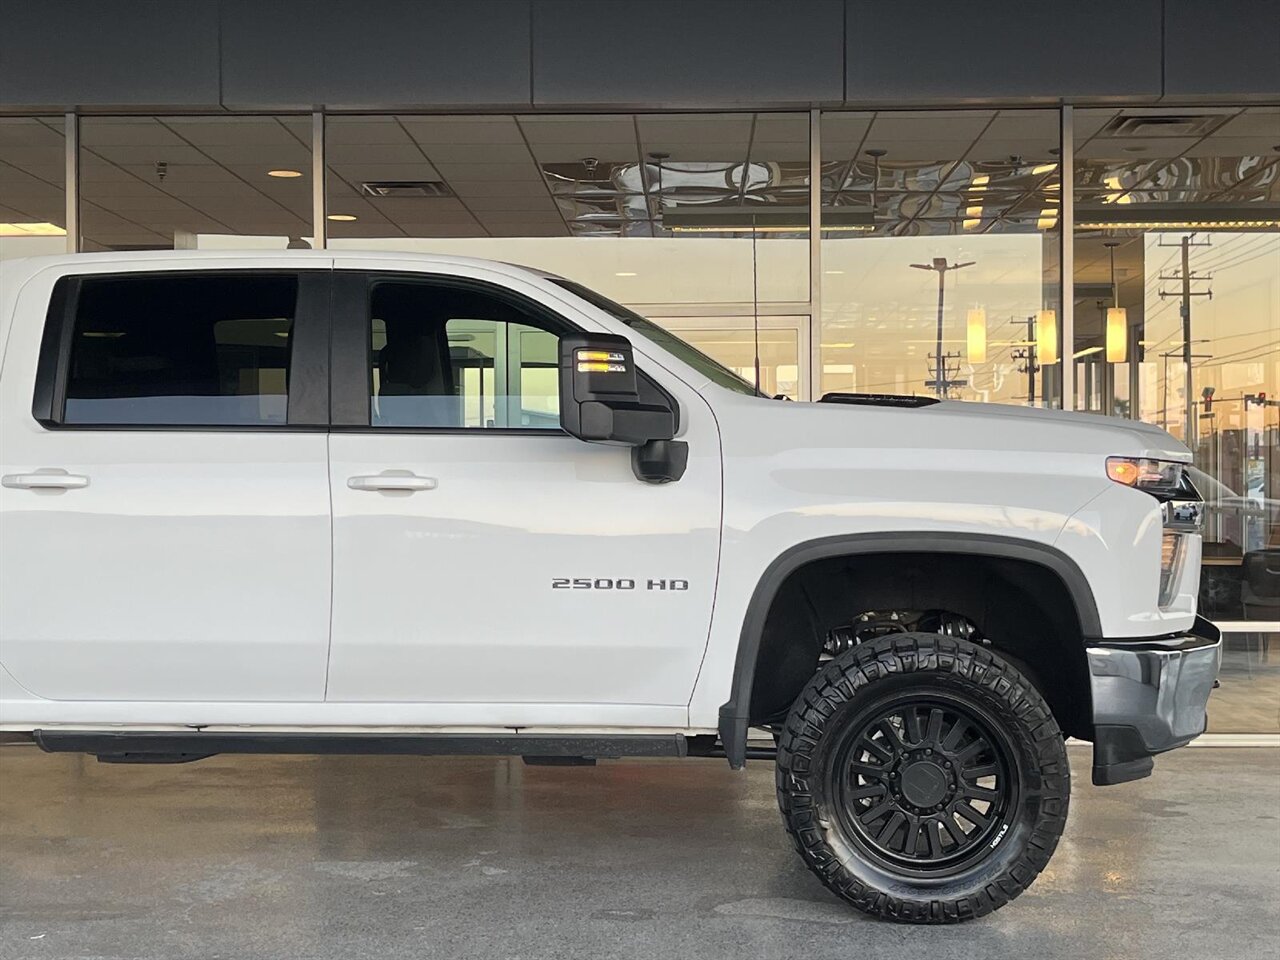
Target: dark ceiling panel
[291,54]
[155,53]
[1228,49]
[672,53]
[1002,50]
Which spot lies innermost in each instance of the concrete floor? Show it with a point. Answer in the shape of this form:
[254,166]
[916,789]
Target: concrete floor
[240,857]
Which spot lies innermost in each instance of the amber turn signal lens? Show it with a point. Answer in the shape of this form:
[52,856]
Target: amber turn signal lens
[1123,471]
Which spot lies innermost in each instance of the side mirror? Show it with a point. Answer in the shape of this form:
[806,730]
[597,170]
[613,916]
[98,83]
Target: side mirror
[600,403]
[599,400]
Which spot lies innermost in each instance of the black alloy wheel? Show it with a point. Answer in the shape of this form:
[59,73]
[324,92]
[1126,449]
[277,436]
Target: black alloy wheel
[923,778]
[923,784]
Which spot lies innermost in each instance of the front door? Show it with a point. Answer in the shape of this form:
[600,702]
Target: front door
[485,562]
[165,506]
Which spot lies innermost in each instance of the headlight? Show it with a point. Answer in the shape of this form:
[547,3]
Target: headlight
[1164,479]
[1181,510]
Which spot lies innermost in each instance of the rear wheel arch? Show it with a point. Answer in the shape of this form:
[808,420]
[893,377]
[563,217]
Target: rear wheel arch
[1049,570]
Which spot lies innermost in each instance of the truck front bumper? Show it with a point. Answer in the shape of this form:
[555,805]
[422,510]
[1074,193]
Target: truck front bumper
[1149,696]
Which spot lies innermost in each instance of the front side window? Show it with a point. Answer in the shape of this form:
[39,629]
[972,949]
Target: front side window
[680,349]
[451,357]
[208,350]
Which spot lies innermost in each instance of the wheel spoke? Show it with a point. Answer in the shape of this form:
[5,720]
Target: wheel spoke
[933,830]
[878,748]
[953,828]
[976,773]
[914,731]
[974,792]
[935,726]
[869,790]
[891,827]
[891,734]
[955,734]
[965,809]
[972,750]
[913,836]
[868,770]
[878,811]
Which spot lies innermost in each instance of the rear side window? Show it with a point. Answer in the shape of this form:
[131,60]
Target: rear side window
[211,350]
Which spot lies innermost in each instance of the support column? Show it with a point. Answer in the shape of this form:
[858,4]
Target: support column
[320,226]
[815,255]
[1067,228]
[71,186]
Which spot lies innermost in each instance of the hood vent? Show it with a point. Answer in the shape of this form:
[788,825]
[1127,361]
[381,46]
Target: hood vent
[878,399]
[392,189]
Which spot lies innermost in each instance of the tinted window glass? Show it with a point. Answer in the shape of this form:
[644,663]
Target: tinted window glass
[196,350]
[443,356]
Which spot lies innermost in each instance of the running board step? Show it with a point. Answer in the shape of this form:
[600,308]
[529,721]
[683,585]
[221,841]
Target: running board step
[182,747]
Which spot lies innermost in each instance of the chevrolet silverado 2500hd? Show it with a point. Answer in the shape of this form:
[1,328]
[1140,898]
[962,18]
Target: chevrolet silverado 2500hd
[359,502]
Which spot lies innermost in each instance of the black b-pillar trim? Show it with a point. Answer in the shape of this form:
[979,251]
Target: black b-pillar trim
[309,352]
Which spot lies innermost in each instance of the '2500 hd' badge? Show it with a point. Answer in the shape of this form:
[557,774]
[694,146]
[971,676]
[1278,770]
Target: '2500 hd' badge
[609,583]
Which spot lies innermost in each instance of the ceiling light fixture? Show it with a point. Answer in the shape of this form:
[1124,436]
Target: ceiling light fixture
[1117,327]
[1047,336]
[624,273]
[342,217]
[31,230]
[284,174]
[976,334]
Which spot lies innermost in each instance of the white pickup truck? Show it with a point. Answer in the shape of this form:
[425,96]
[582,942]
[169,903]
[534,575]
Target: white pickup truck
[310,502]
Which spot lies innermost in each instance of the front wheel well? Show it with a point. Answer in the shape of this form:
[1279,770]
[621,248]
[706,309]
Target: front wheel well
[1021,608]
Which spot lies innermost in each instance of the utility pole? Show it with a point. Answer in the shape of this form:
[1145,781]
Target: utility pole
[1028,355]
[1185,294]
[942,382]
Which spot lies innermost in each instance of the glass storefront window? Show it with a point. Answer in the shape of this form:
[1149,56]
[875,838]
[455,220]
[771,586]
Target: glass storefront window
[1177,291]
[1177,307]
[940,254]
[195,182]
[698,219]
[32,186]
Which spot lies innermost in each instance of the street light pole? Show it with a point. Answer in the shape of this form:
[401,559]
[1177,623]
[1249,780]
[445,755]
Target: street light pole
[941,383]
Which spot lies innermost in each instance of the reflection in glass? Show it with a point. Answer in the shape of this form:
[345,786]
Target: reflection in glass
[32,195]
[1178,226]
[684,215]
[939,254]
[187,183]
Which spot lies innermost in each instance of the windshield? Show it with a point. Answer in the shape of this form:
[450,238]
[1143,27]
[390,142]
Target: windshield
[665,339]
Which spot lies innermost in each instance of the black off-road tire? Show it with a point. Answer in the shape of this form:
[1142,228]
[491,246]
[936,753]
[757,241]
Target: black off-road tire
[918,675]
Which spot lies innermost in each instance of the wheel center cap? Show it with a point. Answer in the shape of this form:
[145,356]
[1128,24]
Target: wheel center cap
[924,783]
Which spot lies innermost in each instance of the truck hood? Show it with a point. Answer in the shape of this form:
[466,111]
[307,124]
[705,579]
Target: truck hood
[1154,440]
[875,425]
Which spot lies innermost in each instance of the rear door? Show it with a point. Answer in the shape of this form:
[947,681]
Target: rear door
[165,499]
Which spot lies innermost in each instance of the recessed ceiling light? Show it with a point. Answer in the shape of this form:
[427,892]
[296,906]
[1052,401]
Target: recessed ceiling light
[42,229]
[624,273]
[342,217]
[287,174]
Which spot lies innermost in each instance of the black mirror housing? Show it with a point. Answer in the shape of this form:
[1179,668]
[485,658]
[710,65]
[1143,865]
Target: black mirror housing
[599,398]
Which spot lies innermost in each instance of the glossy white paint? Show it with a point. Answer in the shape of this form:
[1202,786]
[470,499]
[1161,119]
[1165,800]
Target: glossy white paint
[191,566]
[443,612]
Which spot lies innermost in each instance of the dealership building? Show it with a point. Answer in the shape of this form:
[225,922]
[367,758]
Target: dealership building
[1067,204]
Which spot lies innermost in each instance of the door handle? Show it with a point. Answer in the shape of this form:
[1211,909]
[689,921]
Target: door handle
[392,481]
[50,480]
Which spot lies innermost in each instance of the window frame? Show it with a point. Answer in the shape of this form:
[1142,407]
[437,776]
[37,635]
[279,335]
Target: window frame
[307,397]
[351,355]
